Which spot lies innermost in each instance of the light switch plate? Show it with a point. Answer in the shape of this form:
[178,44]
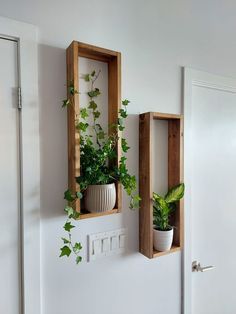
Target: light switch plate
[106,243]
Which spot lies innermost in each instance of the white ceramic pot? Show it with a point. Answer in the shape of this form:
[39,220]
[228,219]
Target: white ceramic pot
[100,198]
[162,240]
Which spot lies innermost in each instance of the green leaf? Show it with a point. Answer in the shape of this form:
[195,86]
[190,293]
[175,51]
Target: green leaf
[125,102]
[96,114]
[156,196]
[65,251]
[94,93]
[76,215]
[82,126]
[69,210]
[68,226]
[121,121]
[65,103]
[68,196]
[175,194]
[135,200]
[124,145]
[79,195]
[72,90]
[121,124]
[66,241]
[93,73]
[123,113]
[160,203]
[123,159]
[86,77]
[84,113]
[77,247]
[92,105]
[101,135]
[78,259]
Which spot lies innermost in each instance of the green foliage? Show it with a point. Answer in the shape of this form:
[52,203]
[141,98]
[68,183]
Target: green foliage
[84,113]
[71,91]
[78,259]
[175,194]
[65,103]
[98,155]
[68,226]
[98,158]
[69,196]
[94,93]
[163,207]
[124,145]
[65,251]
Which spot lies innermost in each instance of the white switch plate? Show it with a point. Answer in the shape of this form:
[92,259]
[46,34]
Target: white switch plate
[106,244]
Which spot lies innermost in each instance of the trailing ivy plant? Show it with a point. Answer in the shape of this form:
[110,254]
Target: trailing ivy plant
[98,157]
[163,207]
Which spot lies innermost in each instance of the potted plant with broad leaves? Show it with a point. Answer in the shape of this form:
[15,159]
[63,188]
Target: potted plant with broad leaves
[98,167]
[163,207]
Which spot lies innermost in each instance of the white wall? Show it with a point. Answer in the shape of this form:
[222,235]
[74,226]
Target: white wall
[156,38]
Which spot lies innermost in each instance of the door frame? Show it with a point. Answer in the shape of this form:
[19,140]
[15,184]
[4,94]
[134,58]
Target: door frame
[29,262]
[202,79]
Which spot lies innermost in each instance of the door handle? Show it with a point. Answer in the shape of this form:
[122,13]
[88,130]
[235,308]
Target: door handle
[196,267]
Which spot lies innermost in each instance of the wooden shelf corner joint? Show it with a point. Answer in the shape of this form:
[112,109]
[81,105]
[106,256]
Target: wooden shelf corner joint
[175,176]
[113,59]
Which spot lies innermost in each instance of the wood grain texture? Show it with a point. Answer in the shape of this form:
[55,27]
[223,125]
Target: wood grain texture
[175,170]
[175,176]
[165,116]
[93,215]
[96,53]
[72,112]
[114,105]
[113,58]
[172,250]
[145,184]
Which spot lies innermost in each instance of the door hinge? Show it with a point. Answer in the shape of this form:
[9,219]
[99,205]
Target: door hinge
[19,98]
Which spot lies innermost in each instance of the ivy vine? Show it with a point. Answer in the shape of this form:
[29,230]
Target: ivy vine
[98,157]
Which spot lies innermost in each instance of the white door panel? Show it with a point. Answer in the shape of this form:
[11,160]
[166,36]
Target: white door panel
[214,199]
[9,179]
[210,151]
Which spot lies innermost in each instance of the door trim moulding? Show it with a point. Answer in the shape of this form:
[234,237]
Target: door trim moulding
[25,35]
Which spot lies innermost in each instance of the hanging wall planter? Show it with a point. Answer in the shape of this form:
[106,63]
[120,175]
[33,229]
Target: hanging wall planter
[148,236]
[97,157]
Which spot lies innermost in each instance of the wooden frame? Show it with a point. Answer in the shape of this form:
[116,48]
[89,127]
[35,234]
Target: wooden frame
[175,176]
[113,59]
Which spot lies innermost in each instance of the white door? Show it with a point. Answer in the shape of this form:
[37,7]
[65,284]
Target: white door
[9,179]
[210,172]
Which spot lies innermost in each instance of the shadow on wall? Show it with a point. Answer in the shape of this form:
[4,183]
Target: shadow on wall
[53,129]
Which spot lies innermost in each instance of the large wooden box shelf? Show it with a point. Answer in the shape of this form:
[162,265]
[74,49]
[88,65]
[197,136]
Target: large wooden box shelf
[113,59]
[175,176]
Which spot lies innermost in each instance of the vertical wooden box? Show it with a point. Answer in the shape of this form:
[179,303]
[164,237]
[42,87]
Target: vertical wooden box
[175,176]
[113,59]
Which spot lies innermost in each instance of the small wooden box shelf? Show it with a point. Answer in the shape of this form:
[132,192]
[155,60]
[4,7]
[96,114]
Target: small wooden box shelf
[175,176]
[113,59]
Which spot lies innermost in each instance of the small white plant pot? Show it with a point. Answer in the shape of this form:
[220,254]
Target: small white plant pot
[100,198]
[162,240]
